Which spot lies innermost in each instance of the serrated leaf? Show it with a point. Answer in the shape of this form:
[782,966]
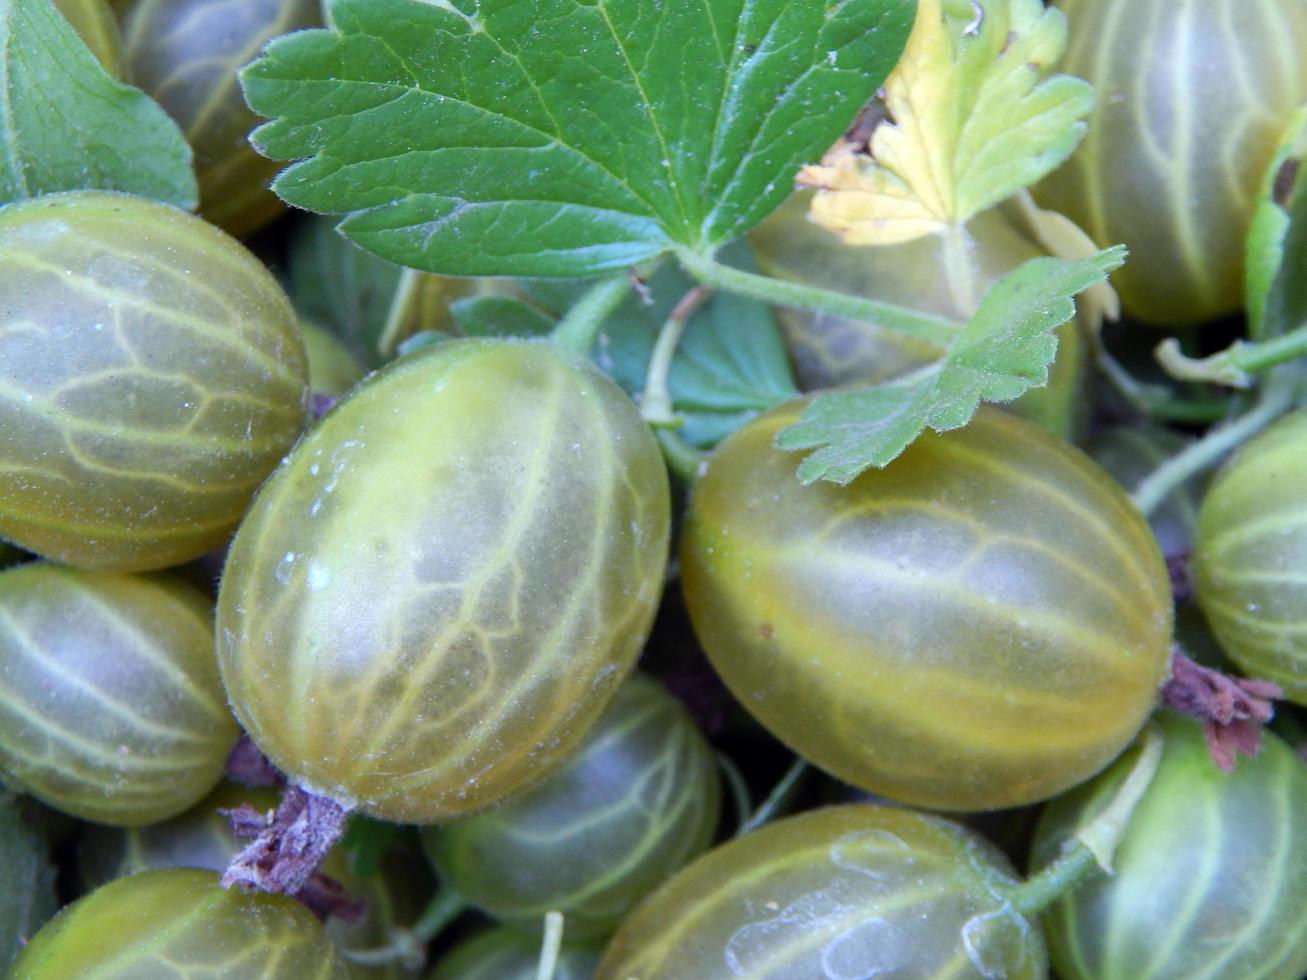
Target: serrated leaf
[68,125]
[1004,351]
[972,120]
[500,316]
[731,362]
[562,137]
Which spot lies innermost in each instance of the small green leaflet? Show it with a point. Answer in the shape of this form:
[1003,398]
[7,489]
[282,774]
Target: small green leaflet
[562,137]
[1004,351]
[67,125]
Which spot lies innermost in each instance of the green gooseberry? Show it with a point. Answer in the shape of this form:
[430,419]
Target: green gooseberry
[983,623]
[96,25]
[186,54]
[1190,102]
[1250,556]
[638,800]
[151,376]
[333,370]
[502,954]
[438,594]
[180,923]
[1209,880]
[850,891]
[110,704]
[27,897]
[202,838]
[829,350]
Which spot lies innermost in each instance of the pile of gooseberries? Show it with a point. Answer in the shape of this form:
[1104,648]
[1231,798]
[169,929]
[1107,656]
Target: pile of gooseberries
[344,636]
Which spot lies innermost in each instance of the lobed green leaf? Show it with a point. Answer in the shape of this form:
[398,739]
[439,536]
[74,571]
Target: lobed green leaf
[1004,351]
[68,125]
[562,137]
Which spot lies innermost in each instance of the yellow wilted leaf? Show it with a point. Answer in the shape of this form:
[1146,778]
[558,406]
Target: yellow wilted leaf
[972,119]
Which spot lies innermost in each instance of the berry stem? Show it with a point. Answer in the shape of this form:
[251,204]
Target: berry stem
[656,402]
[551,947]
[407,947]
[1093,845]
[582,323]
[936,330]
[739,788]
[777,798]
[682,459]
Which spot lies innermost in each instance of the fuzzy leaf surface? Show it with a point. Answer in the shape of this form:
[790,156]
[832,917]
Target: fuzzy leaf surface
[67,125]
[1004,351]
[562,137]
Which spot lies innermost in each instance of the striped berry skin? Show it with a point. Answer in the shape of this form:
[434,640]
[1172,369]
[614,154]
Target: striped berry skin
[640,799]
[110,704]
[983,623]
[849,891]
[438,594]
[1190,102]
[180,922]
[151,376]
[1209,881]
[186,55]
[502,954]
[1250,556]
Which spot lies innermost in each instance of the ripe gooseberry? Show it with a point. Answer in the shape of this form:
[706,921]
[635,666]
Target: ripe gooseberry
[638,800]
[180,922]
[110,704]
[1250,556]
[983,623]
[849,891]
[151,376]
[1187,112]
[437,595]
[186,54]
[1209,879]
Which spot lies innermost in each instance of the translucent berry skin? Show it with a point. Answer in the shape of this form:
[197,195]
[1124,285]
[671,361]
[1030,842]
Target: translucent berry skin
[983,623]
[640,799]
[181,923]
[502,954]
[1250,556]
[850,891]
[110,705]
[1190,102]
[202,838]
[151,376]
[437,595]
[1210,879]
[186,55]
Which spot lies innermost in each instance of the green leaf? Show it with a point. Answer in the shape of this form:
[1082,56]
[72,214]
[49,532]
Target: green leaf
[973,120]
[1004,351]
[1264,247]
[27,896]
[500,316]
[67,125]
[730,365]
[562,137]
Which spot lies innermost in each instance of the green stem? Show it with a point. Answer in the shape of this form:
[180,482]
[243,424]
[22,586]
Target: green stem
[577,330]
[682,459]
[1157,401]
[957,264]
[1093,845]
[936,330]
[407,947]
[656,402]
[1268,353]
[1211,449]
[739,790]
[776,799]
[551,947]
[1237,364]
